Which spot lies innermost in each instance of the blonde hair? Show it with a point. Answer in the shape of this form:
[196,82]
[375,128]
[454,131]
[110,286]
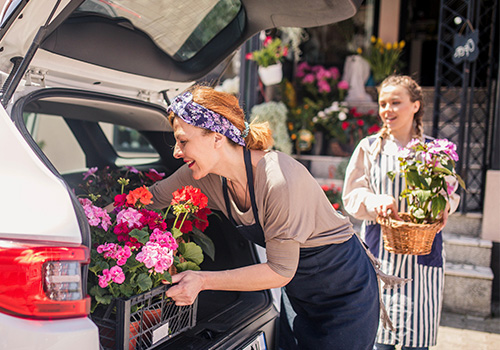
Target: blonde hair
[259,135]
[415,92]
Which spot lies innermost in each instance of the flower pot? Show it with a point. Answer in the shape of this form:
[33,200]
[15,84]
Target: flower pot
[271,75]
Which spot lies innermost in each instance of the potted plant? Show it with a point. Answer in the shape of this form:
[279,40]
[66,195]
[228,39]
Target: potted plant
[344,127]
[383,57]
[268,58]
[428,170]
[275,113]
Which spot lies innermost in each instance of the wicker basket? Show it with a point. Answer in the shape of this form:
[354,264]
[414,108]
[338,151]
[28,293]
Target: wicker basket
[406,237]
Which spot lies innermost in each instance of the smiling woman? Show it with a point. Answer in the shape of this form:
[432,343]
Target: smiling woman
[273,201]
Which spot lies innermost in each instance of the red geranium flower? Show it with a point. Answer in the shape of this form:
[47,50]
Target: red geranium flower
[191,195]
[373,129]
[140,194]
[120,200]
[154,176]
[201,219]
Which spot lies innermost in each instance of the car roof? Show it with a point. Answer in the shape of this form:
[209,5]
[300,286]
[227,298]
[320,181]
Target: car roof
[170,40]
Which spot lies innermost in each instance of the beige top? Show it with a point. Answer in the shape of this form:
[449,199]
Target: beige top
[293,209]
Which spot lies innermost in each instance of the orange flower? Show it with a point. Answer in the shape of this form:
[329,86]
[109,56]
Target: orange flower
[140,194]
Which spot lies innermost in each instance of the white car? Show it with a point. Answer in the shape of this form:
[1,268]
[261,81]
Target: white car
[86,84]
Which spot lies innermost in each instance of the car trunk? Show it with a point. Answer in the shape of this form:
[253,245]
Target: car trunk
[219,313]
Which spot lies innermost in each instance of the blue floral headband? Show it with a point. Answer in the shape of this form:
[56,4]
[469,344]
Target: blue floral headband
[197,115]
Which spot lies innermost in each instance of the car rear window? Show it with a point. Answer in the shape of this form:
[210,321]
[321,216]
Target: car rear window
[179,27]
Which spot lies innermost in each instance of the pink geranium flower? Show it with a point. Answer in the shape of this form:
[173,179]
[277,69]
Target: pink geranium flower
[156,257]
[130,216]
[308,79]
[344,85]
[323,86]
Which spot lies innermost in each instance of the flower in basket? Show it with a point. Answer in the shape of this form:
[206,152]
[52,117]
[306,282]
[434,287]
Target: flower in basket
[134,249]
[383,57]
[428,169]
[271,53]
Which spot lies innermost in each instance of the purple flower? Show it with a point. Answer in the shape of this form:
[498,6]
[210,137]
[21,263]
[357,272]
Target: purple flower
[444,146]
[95,216]
[132,169]
[90,172]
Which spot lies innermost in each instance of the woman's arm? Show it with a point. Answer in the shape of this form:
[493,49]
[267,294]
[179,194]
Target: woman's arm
[359,199]
[188,284]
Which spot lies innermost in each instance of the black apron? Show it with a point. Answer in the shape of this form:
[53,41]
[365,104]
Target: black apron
[332,301]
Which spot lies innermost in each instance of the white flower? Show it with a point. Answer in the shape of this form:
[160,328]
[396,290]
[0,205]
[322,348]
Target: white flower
[342,116]
[335,106]
[322,114]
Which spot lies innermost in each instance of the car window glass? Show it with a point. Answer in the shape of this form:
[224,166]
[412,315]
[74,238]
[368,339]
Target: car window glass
[129,144]
[55,139]
[180,28]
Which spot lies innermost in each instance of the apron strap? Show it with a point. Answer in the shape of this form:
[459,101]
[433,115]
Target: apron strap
[248,167]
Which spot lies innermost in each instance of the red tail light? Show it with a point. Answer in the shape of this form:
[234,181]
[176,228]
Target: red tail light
[42,282]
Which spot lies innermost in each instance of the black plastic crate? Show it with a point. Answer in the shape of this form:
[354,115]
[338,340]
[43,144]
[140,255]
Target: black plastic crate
[143,321]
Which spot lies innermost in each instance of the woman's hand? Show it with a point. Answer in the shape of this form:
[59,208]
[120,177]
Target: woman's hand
[109,208]
[386,205]
[186,286]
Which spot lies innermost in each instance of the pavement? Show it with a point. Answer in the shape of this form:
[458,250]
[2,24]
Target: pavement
[461,332]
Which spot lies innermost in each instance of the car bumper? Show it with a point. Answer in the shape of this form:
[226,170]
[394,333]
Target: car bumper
[23,334]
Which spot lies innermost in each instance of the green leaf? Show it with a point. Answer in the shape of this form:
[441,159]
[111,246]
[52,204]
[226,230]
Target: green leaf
[141,235]
[413,179]
[144,282]
[166,276]
[176,232]
[460,181]
[443,170]
[105,300]
[438,205]
[96,290]
[188,265]
[206,244]
[99,266]
[192,252]
[127,290]
[419,214]
[391,175]
[422,195]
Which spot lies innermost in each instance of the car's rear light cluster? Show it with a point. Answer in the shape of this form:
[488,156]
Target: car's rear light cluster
[42,282]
